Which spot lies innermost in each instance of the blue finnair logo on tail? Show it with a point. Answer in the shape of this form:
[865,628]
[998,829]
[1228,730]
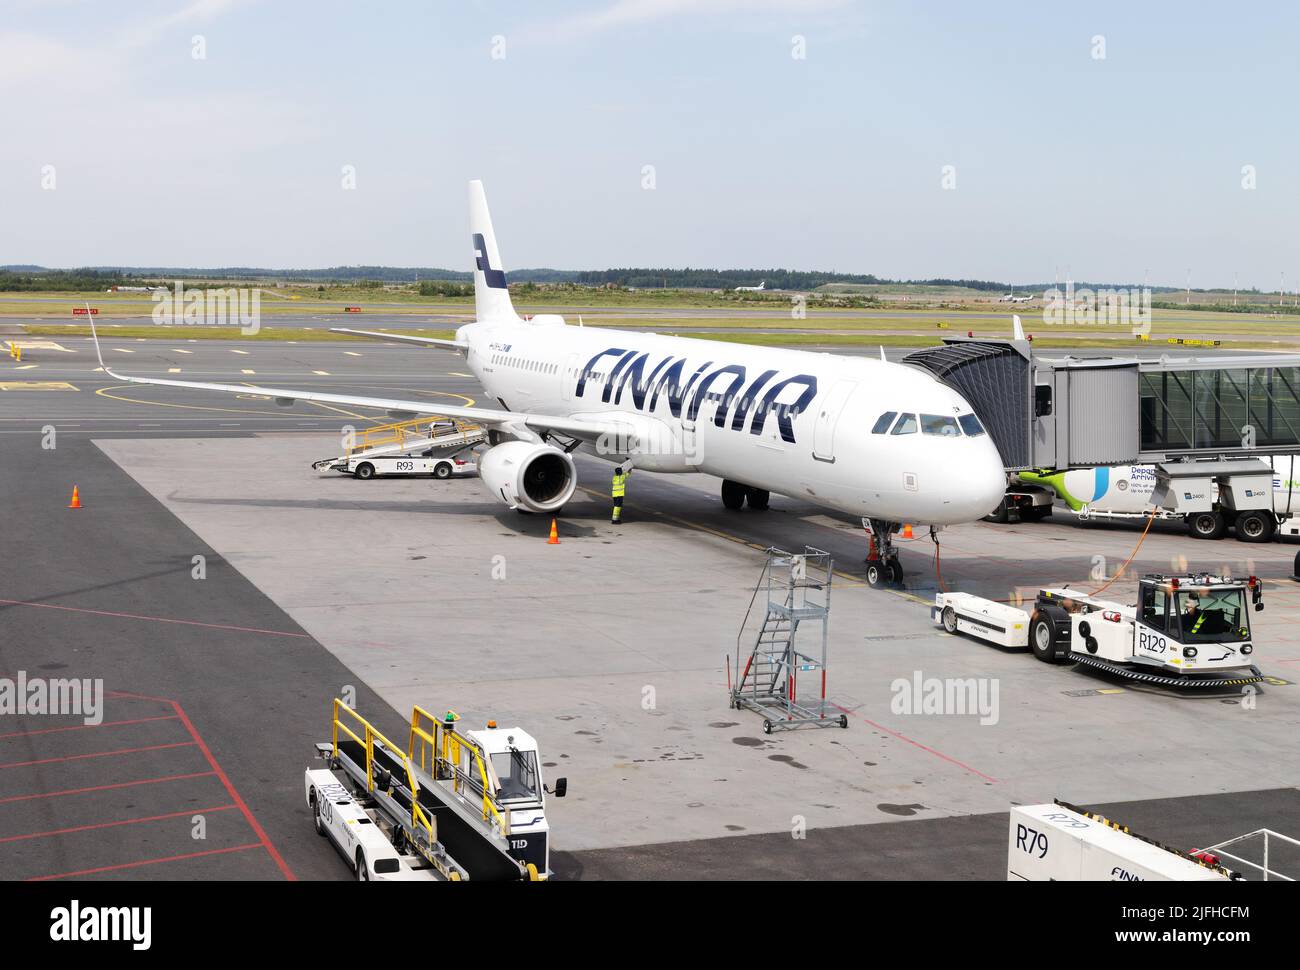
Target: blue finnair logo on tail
[725,385]
[496,279]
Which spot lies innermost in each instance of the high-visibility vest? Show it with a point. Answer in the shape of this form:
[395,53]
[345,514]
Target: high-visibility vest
[619,485]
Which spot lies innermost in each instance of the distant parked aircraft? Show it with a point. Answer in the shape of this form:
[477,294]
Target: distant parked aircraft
[752,289]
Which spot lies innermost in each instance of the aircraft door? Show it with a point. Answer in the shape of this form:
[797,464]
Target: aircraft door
[828,416]
[569,377]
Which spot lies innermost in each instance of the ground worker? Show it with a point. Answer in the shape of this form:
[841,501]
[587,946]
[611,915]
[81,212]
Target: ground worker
[1193,618]
[616,490]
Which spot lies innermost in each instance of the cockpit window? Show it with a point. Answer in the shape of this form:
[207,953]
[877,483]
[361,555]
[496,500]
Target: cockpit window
[971,425]
[906,424]
[884,421]
[940,424]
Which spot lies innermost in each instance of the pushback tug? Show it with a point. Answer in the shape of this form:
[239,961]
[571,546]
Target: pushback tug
[1186,631]
[453,805]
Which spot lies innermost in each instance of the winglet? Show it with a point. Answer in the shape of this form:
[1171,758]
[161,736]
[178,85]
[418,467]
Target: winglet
[1017,331]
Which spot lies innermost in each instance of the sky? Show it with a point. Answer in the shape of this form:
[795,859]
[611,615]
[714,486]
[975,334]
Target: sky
[1113,142]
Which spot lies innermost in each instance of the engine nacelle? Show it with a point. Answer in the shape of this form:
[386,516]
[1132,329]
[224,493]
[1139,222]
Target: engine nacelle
[524,475]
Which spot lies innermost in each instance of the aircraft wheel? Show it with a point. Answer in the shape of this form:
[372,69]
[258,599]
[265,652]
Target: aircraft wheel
[758,498]
[877,574]
[895,572]
[733,495]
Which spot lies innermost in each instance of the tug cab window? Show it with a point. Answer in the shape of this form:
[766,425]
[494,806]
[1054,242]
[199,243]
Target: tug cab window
[1212,615]
[941,425]
[906,424]
[971,425]
[1155,609]
[517,773]
[883,422]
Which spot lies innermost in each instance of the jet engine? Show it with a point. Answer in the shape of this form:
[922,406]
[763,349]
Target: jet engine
[528,476]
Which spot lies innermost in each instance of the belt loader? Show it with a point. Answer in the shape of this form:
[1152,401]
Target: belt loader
[453,805]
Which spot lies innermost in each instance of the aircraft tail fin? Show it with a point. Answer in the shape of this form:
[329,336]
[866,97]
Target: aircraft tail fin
[491,296]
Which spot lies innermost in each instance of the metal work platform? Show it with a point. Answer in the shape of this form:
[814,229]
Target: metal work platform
[1082,412]
[798,591]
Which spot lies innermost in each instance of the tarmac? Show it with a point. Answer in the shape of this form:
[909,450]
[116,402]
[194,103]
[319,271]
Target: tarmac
[612,648]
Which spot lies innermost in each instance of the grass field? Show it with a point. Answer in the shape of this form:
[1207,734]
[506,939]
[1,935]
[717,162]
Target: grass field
[767,321]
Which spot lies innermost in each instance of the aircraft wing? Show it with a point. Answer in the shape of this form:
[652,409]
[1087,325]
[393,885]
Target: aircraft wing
[515,422]
[404,337]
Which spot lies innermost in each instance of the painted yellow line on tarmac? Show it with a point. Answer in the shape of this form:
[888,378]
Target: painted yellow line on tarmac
[177,350]
[123,350]
[26,366]
[173,370]
[247,371]
[322,373]
[698,527]
[244,352]
[351,353]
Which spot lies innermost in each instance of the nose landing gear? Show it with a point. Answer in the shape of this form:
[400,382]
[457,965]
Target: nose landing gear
[883,567]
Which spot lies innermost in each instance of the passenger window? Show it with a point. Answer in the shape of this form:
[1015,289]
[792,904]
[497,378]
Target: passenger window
[883,422]
[971,425]
[906,424]
[940,424]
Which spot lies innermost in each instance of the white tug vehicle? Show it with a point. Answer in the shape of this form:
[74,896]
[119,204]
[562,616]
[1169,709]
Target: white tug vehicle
[1186,631]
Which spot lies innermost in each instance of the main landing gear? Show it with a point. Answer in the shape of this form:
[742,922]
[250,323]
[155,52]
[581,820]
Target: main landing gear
[883,567]
[735,495]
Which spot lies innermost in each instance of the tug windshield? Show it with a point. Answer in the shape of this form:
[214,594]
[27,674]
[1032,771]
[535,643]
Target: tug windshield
[1212,615]
[516,773]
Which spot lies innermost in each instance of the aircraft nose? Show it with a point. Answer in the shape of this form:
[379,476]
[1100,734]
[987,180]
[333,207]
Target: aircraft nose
[977,484]
[988,480]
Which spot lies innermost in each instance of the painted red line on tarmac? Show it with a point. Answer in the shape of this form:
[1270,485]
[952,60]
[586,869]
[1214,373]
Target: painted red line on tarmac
[109,825]
[143,862]
[156,619]
[98,754]
[94,788]
[86,727]
[234,795]
[904,737]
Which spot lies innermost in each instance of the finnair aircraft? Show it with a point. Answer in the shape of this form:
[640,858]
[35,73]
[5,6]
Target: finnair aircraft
[753,289]
[879,440]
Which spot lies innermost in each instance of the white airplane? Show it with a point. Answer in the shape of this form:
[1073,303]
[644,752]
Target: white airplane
[752,289]
[883,441]
[1012,298]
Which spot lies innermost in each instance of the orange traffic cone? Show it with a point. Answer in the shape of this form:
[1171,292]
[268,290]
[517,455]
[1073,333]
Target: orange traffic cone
[76,499]
[554,540]
[907,530]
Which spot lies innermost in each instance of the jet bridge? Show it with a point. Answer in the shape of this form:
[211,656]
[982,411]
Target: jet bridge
[1082,412]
